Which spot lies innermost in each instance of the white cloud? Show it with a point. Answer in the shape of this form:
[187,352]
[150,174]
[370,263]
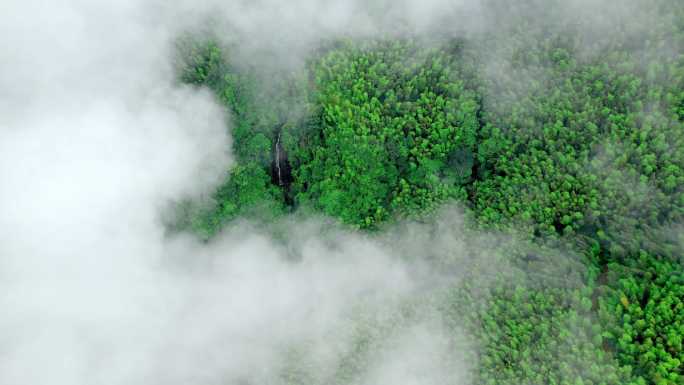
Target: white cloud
[96,137]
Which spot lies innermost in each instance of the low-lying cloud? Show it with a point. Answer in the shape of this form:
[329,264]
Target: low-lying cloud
[96,137]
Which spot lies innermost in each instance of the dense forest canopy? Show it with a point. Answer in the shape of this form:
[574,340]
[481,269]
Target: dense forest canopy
[568,137]
[345,192]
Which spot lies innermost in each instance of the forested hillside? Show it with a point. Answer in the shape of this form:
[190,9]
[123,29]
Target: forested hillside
[539,129]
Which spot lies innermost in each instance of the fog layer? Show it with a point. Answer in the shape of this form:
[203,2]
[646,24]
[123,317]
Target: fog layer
[96,138]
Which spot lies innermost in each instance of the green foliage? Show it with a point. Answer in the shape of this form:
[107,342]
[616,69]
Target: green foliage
[584,148]
[643,310]
[397,132]
[247,193]
[258,114]
[531,313]
[532,130]
[540,336]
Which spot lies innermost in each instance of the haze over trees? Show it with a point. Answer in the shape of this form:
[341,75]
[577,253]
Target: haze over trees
[346,192]
[576,141]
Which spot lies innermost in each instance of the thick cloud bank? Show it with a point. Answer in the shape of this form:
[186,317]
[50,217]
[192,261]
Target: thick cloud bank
[95,138]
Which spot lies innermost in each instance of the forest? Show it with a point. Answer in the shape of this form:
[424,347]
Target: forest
[574,146]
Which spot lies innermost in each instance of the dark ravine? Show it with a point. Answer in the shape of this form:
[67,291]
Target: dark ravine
[281,170]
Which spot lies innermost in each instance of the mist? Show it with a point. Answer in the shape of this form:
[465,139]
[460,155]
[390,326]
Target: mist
[97,138]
